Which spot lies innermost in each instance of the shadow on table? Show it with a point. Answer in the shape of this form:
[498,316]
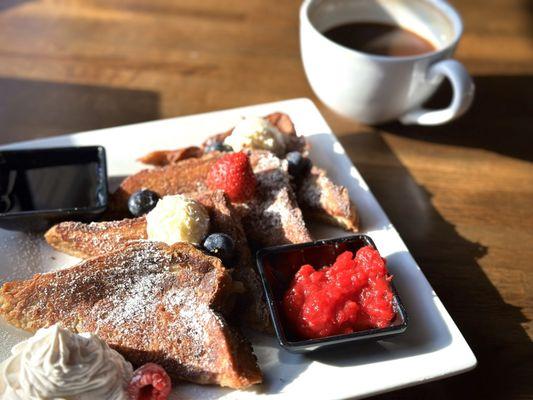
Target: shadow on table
[500,120]
[6,4]
[30,109]
[529,12]
[449,261]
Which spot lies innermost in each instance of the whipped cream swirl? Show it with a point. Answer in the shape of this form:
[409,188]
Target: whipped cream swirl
[58,364]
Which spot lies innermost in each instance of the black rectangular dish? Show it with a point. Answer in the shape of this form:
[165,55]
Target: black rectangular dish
[278,265]
[39,187]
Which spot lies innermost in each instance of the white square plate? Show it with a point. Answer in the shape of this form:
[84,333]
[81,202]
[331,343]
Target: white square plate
[431,348]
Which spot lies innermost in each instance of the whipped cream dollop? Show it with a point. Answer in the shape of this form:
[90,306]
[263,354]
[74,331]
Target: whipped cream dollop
[256,133]
[177,219]
[58,364]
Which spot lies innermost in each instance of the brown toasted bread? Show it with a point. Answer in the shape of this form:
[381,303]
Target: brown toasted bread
[149,301]
[85,240]
[281,121]
[322,199]
[97,238]
[186,176]
[251,309]
[274,207]
[272,217]
[317,195]
[164,157]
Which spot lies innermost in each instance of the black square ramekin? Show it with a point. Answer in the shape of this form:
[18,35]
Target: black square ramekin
[40,219]
[277,266]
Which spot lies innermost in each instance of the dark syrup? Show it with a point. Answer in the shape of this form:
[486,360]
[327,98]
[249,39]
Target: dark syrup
[379,39]
[57,181]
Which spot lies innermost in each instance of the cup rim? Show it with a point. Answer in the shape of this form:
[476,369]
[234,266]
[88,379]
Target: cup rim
[450,12]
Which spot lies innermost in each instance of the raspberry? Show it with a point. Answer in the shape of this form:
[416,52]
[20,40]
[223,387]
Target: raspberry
[149,382]
[233,174]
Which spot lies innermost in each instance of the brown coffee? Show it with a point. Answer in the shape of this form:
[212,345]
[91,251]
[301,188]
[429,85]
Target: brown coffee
[380,39]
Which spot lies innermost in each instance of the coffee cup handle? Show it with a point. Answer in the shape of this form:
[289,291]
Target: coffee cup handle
[463,94]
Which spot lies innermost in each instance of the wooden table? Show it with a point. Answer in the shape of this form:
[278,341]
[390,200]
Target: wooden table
[460,195]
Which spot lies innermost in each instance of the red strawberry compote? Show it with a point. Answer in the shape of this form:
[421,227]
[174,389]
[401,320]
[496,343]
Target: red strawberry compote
[351,295]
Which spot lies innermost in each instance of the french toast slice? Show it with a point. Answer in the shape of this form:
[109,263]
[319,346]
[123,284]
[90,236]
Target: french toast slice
[86,240]
[92,239]
[320,198]
[150,302]
[282,121]
[251,309]
[273,216]
[274,207]
[185,176]
[160,158]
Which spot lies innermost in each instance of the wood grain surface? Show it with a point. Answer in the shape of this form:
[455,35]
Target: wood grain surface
[461,195]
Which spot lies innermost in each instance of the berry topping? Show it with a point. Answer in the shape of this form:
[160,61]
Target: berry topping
[351,295]
[142,202]
[233,174]
[149,382]
[218,146]
[220,245]
[298,164]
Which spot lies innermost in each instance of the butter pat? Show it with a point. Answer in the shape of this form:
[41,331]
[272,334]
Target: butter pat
[177,219]
[256,133]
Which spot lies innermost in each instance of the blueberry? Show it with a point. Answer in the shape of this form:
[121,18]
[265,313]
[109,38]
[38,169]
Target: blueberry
[218,146]
[220,245]
[298,164]
[142,202]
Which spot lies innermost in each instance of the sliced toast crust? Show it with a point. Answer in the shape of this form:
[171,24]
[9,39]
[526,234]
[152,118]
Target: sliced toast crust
[274,207]
[85,240]
[149,301]
[318,196]
[98,238]
[280,120]
[273,216]
[324,200]
[185,176]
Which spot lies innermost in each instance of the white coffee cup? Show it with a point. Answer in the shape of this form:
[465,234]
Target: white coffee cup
[372,88]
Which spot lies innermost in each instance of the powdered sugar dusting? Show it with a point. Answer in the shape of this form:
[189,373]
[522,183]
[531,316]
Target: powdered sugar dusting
[26,254]
[274,208]
[135,301]
[143,297]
